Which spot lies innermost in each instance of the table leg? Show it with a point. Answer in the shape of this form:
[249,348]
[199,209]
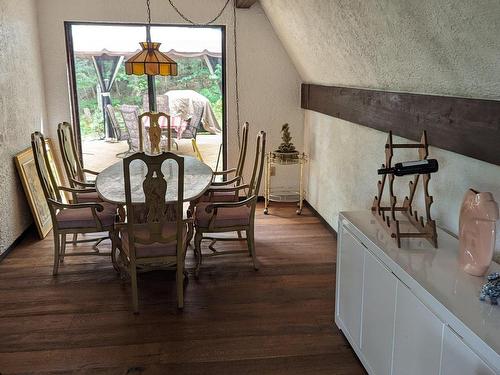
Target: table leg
[189,214]
[267,180]
[121,213]
[190,233]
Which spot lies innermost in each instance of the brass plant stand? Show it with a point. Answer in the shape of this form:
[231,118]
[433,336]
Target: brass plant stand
[284,195]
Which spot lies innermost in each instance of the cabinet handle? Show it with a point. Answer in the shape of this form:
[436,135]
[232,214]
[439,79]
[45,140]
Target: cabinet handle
[455,332]
[348,230]
[401,281]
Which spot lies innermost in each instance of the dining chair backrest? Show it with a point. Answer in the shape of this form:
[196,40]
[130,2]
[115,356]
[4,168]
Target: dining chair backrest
[258,166]
[71,160]
[243,149]
[161,103]
[150,130]
[130,115]
[43,168]
[160,170]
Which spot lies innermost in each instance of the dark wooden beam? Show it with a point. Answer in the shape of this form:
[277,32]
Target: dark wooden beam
[245,3]
[467,126]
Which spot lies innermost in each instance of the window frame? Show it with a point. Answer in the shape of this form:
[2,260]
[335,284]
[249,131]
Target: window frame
[70,63]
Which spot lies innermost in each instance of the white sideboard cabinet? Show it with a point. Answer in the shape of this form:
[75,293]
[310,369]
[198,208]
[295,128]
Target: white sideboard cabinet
[411,311]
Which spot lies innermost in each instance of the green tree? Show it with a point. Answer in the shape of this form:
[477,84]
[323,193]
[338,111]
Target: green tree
[130,89]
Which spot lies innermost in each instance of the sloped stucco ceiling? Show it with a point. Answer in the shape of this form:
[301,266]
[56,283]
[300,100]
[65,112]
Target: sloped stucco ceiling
[449,47]
[441,47]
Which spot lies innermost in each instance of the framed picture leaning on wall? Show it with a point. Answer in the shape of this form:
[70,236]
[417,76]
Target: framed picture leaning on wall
[33,189]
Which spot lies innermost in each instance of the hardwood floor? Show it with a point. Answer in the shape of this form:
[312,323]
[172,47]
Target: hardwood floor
[278,320]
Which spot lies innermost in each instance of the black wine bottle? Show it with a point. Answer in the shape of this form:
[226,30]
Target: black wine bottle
[412,167]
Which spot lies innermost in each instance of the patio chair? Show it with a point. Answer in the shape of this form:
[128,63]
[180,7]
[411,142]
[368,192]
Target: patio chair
[120,135]
[161,103]
[74,218]
[75,173]
[218,217]
[190,130]
[130,115]
[149,237]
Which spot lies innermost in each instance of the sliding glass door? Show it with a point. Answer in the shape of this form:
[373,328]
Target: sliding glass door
[106,101]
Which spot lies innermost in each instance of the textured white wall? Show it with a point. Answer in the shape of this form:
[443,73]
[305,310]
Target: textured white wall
[443,47]
[21,109]
[269,83]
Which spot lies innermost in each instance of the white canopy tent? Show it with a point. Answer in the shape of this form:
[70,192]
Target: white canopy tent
[95,40]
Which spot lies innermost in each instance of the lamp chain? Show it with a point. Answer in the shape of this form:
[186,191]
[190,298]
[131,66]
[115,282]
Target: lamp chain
[237,95]
[185,18]
[148,5]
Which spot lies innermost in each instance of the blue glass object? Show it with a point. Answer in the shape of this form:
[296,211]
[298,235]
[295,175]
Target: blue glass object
[491,289]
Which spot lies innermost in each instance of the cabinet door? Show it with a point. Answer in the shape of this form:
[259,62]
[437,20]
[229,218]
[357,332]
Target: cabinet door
[379,299]
[350,284]
[458,358]
[417,336]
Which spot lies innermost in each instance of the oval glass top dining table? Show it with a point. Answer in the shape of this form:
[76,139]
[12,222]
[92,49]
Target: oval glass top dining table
[111,186]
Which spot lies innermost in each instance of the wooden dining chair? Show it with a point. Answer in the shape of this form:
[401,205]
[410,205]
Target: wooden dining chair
[75,173]
[73,218]
[218,217]
[215,194]
[152,236]
[150,130]
[193,124]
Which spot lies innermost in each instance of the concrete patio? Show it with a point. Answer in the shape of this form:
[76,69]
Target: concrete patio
[100,154]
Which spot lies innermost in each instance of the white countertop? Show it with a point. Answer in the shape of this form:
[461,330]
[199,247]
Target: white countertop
[434,275]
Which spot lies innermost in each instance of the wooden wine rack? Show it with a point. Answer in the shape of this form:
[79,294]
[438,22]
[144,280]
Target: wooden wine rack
[426,228]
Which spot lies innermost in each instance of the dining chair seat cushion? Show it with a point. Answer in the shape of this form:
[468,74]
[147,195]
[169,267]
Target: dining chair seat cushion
[73,218]
[226,217]
[220,196]
[89,197]
[141,232]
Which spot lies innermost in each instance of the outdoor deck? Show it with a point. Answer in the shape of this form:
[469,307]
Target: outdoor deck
[100,154]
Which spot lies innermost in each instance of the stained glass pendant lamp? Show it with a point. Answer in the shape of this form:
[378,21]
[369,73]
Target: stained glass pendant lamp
[150,60]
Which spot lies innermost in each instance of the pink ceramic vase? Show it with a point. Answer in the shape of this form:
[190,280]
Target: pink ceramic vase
[478,216]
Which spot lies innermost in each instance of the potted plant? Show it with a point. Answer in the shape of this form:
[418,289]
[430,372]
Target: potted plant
[286,150]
